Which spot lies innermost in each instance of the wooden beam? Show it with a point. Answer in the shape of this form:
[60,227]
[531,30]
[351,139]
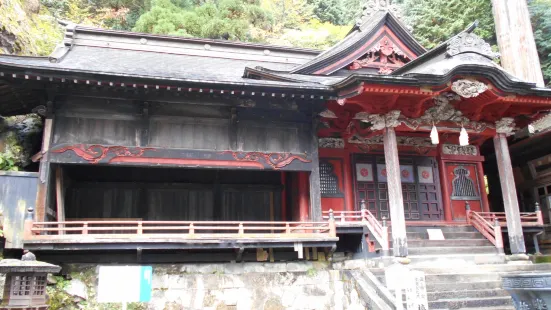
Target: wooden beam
[44,169]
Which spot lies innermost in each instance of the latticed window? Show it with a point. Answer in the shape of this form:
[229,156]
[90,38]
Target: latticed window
[27,289]
[329,182]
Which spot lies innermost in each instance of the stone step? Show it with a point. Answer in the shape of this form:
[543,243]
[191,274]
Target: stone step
[445,229]
[500,268]
[450,235]
[473,303]
[452,250]
[449,242]
[479,293]
[457,278]
[464,286]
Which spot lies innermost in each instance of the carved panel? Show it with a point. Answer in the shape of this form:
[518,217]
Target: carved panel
[470,42]
[331,143]
[385,56]
[468,88]
[454,149]
[329,182]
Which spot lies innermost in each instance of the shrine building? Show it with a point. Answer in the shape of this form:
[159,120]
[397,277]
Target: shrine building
[162,144]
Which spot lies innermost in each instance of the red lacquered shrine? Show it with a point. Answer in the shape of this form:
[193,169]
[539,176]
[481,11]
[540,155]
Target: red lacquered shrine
[166,143]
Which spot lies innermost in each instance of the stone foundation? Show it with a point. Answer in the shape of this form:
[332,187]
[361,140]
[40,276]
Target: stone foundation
[296,285]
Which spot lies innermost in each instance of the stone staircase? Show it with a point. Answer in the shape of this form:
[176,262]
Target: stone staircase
[462,272]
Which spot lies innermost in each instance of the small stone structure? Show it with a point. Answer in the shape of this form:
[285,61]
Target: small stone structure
[25,286]
[529,290]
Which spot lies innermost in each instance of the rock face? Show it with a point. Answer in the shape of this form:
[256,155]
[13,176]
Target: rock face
[77,288]
[21,136]
[258,286]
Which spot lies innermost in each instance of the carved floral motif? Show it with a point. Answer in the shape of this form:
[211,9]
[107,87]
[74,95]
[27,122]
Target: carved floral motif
[468,88]
[385,55]
[331,143]
[328,114]
[95,153]
[400,140]
[470,42]
[506,125]
[373,6]
[378,121]
[453,149]
[275,160]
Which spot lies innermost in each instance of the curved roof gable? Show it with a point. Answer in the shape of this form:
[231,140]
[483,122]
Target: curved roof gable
[381,32]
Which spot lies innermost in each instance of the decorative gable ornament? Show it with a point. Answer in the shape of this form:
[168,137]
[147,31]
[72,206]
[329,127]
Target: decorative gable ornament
[469,42]
[468,88]
[385,56]
[374,6]
[506,126]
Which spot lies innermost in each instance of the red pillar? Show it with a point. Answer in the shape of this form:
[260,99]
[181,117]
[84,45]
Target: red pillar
[445,191]
[485,204]
[303,196]
[348,181]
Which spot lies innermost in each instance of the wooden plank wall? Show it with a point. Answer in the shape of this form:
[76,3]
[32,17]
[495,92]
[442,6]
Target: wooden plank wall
[178,126]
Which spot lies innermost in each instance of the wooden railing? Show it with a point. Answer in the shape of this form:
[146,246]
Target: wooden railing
[527,219]
[378,230]
[490,230]
[179,229]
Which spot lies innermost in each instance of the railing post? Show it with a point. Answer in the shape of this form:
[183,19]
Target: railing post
[287,228]
[386,242]
[539,215]
[241,230]
[498,236]
[363,209]
[28,225]
[468,212]
[342,217]
[85,228]
[332,225]
[139,231]
[191,229]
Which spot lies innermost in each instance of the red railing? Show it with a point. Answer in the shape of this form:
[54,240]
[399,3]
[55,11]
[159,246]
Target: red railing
[378,231]
[490,230]
[527,219]
[179,229]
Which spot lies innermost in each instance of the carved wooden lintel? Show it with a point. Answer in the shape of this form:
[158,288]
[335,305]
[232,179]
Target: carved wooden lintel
[454,149]
[331,143]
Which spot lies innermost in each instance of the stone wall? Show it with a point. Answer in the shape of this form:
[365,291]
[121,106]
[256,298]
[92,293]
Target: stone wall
[296,285]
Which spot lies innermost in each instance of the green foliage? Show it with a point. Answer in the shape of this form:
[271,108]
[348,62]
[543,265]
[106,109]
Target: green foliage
[435,21]
[313,34]
[58,298]
[541,23]
[8,161]
[331,11]
[26,33]
[223,19]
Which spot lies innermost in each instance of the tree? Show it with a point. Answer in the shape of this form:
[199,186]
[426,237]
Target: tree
[540,11]
[330,11]
[435,21]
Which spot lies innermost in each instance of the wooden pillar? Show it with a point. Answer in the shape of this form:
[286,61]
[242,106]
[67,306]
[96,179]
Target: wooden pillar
[395,198]
[515,38]
[303,192]
[348,183]
[483,194]
[315,191]
[508,189]
[283,196]
[445,192]
[42,194]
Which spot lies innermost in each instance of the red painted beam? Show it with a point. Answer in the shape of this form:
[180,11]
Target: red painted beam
[303,196]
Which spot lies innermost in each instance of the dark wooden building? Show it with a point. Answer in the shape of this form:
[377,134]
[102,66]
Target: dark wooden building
[162,143]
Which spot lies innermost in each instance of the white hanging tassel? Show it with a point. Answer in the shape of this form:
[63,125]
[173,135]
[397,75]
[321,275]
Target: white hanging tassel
[463,137]
[434,135]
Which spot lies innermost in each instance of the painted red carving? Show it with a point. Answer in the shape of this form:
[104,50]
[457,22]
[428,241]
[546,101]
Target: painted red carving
[275,160]
[385,56]
[383,172]
[425,174]
[95,153]
[364,172]
[405,173]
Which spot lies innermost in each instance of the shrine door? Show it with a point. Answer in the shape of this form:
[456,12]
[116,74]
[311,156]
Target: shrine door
[420,187]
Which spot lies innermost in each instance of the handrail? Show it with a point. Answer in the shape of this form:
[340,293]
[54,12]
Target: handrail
[378,231]
[492,232]
[185,229]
